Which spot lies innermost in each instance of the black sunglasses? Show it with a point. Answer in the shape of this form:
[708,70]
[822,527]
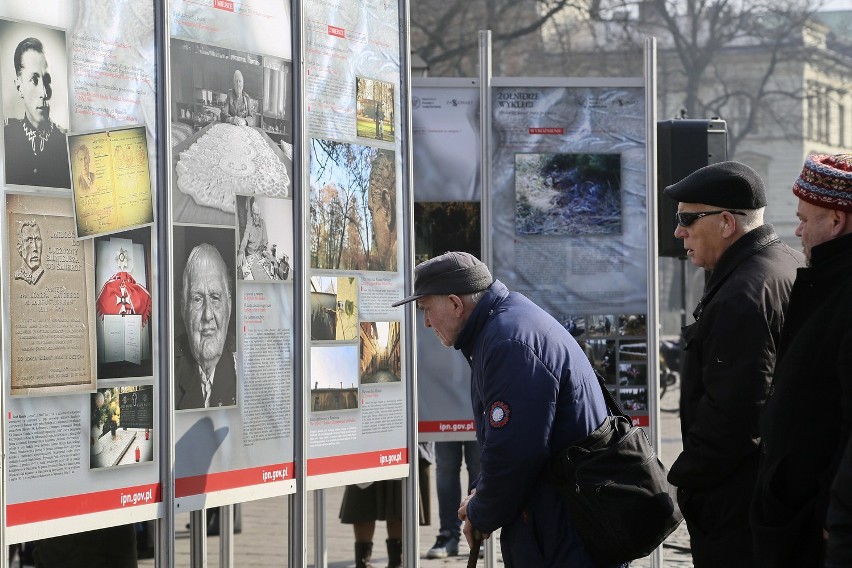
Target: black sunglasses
[685,219]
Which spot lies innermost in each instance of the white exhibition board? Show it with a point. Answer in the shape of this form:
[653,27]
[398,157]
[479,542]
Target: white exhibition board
[78,326]
[446,162]
[232,187]
[356,408]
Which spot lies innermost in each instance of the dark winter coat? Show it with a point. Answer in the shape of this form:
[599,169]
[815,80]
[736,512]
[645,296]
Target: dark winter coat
[728,362]
[533,392]
[806,422]
[839,518]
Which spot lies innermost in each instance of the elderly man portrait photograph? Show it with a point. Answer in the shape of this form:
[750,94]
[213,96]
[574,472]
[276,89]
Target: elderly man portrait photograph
[238,107]
[36,152]
[30,246]
[263,249]
[205,363]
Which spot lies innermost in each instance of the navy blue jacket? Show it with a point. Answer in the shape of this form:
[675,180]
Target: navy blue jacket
[533,392]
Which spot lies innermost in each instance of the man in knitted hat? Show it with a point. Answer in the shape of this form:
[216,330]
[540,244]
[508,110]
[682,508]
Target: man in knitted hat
[533,392]
[798,517]
[729,353]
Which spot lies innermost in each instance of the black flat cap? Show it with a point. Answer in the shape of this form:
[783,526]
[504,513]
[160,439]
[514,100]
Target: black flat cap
[450,273]
[730,185]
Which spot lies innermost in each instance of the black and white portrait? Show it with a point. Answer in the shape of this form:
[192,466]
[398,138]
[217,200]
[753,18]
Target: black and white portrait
[205,346]
[30,246]
[231,130]
[265,244]
[33,74]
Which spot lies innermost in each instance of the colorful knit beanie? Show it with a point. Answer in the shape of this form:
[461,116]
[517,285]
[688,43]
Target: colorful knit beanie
[826,181]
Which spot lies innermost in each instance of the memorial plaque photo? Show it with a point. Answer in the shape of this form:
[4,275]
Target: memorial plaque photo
[51,301]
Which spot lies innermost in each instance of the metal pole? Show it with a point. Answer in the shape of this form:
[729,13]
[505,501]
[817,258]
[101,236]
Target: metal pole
[298,527]
[485,143]
[320,537]
[165,305]
[486,223]
[411,485]
[226,536]
[653,316]
[198,538]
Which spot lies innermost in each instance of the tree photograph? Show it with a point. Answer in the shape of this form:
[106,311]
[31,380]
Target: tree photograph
[353,207]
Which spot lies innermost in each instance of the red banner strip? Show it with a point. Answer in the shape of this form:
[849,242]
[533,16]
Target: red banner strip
[351,462]
[74,505]
[642,420]
[198,484]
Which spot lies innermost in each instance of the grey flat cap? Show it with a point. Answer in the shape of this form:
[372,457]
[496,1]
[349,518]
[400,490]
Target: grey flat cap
[450,273]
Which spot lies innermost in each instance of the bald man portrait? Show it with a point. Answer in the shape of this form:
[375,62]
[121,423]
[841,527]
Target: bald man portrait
[30,246]
[238,108]
[205,363]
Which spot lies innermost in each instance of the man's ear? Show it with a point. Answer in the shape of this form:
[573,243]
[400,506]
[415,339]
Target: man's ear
[458,304]
[841,223]
[18,86]
[729,224]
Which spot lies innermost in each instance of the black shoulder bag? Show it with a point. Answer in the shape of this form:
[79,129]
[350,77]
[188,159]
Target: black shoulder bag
[616,490]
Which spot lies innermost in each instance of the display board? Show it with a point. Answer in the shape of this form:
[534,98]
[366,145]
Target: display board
[446,147]
[231,134]
[569,217]
[78,276]
[80,271]
[356,407]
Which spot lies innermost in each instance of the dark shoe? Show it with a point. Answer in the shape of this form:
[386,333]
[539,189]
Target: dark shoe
[394,552]
[363,554]
[445,545]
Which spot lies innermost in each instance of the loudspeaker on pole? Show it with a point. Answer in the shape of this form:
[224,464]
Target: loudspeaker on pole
[683,146]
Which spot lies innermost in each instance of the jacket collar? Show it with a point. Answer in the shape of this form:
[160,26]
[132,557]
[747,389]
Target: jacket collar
[494,295]
[831,257]
[747,245]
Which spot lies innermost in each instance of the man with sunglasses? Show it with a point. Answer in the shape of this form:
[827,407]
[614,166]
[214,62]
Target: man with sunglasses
[802,507]
[729,353]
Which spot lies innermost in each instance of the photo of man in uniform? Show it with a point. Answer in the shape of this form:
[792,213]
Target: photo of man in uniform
[205,364]
[30,246]
[85,176]
[36,151]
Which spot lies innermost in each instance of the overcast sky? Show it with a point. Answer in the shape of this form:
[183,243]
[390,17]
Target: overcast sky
[838,5]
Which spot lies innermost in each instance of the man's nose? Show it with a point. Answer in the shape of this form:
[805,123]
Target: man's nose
[679,232]
[426,321]
[206,310]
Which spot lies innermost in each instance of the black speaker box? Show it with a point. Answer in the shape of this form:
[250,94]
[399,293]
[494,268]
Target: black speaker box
[683,146]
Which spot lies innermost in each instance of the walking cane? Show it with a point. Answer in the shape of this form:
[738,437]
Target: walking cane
[474,550]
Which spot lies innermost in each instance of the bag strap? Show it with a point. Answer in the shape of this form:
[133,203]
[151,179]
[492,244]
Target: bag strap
[611,404]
